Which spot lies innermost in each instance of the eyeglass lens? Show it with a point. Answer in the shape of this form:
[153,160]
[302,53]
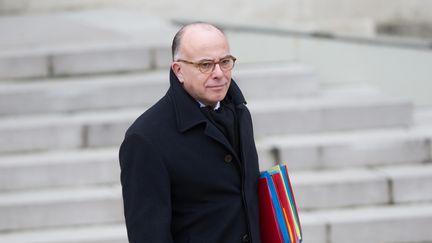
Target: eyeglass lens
[225,64]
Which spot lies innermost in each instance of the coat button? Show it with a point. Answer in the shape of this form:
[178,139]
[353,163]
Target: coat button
[245,238]
[228,158]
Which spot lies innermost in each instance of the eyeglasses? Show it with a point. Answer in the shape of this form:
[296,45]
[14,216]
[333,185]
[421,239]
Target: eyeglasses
[207,66]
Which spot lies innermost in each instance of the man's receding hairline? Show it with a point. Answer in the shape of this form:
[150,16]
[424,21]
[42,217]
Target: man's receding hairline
[203,25]
[179,35]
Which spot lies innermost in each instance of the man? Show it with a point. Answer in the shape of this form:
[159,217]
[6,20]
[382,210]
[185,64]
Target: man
[189,166]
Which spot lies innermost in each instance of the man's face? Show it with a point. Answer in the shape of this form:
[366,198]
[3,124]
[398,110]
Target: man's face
[199,44]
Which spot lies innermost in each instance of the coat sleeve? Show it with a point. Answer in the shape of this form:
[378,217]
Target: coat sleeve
[146,192]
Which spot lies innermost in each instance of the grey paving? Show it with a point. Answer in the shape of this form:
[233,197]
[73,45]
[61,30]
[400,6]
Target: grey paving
[39,134]
[314,229]
[111,59]
[63,131]
[82,94]
[397,223]
[276,80]
[410,184]
[111,233]
[375,147]
[56,169]
[60,207]
[329,114]
[340,188]
[19,66]
[404,223]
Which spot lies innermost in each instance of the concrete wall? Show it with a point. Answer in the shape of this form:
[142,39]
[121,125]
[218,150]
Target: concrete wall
[272,11]
[397,71]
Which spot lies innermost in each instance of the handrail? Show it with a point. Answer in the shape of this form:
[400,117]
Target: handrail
[399,42]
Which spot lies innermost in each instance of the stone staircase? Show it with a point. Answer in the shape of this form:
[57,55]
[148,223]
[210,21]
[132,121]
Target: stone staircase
[360,161]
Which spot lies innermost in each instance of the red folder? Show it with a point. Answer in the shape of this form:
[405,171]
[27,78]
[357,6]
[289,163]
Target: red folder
[286,207]
[270,232]
[279,221]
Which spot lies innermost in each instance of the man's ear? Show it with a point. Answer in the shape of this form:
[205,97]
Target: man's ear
[176,67]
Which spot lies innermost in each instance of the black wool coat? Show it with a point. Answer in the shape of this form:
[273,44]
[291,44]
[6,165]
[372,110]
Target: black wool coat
[182,181]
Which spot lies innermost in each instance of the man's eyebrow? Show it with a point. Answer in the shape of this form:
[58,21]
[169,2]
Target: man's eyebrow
[206,60]
[212,60]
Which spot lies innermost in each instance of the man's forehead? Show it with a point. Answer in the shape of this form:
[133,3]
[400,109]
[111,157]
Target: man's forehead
[202,38]
[199,32]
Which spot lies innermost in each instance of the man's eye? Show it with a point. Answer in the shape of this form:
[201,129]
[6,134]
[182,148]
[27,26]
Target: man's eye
[206,65]
[225,61]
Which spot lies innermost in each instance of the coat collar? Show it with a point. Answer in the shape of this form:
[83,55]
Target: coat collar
[186,108]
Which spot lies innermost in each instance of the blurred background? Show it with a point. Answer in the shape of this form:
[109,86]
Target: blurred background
[340,91]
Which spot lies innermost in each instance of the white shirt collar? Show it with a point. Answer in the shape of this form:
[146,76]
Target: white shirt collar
[203,105]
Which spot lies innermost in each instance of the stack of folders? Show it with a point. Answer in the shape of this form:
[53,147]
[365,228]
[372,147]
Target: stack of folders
[279,220]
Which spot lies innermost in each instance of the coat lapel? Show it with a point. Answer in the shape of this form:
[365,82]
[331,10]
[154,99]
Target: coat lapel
[188,114]
[213,132]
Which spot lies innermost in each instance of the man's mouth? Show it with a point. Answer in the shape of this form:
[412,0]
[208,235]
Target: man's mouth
[218,86]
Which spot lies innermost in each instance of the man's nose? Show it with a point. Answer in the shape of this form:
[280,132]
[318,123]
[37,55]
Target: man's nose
[217,70]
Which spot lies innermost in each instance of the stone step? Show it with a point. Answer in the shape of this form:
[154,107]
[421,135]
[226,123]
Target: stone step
[340,188]
[115,233]
[374,147]
[410,184]
[83,60]
[74,131]
[266,80]
[275,80]
[59,169]
[362,187]
[395,223]
[329,113]
[60,207]
[390,223]
[423,115]
[314,190]
[288,116]
[318,189]
[78,94]
[89,42]
[335,150]
[306,152]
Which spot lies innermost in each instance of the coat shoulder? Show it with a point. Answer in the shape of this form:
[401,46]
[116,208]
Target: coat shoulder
[157,118]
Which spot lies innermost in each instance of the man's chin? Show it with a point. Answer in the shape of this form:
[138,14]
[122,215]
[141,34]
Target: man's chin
[219,97]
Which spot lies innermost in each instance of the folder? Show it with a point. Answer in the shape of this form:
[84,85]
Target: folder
[279,221]
[268,220]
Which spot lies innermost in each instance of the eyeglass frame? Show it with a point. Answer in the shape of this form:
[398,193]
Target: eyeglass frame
[197,64]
